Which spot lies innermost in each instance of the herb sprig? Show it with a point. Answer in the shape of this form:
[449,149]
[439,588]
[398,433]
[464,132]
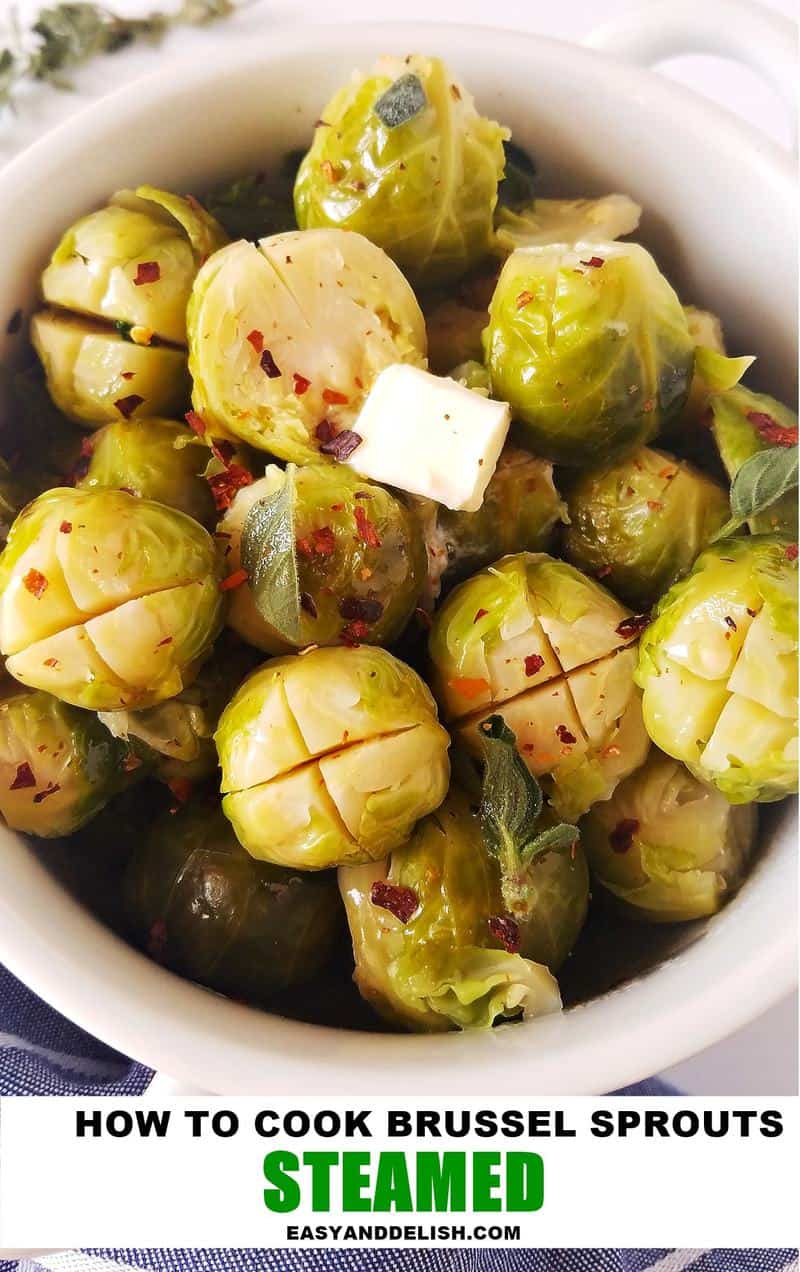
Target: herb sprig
[761,481]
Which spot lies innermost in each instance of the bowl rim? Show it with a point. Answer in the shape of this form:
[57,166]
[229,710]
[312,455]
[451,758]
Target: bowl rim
[261,1049]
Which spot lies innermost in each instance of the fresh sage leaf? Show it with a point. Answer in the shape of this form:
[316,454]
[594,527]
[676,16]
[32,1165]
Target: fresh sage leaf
[402,100]
[761,481]
[269,555]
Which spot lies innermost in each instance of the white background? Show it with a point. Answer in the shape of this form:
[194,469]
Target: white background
[762,1059]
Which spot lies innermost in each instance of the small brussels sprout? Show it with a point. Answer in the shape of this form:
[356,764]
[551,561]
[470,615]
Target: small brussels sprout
[330,757]
[155,459]
[520,511]
[639,524]
[58,765]
[134,261]
[95,374]
[199,904]
[744,424]
[669,847]
[546,221]
[107,601]
[331,557]
[428,931]
[241,615]
[403,157]
[718,666]
[549,648]
[286,338]
[590,347]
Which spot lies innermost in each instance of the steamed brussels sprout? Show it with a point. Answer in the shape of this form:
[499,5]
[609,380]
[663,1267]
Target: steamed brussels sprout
[330,757]
[58,765]
[107,601]
[745,424]
[549,648]
[567,221]
[590,347]
[155,459]
[199,904]
[403,157]
[286,338]
[639,524]
[428,931]
[134,261]
[95,374]
[718,666]
[241,615]
[330,557]
[669,847]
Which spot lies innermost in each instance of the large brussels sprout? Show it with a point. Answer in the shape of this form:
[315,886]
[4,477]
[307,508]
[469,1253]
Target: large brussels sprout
[669,847]
[520,510]
[428,931]
[640,523]
[536,640]
[107,601]
[330,557]
[155,459]
[546,221]
[590,347]
[134,261]
[58,765]
[403,157]
[199,904]
[330,757]
[718,666]
[286,337]
[95,374]
[744,424]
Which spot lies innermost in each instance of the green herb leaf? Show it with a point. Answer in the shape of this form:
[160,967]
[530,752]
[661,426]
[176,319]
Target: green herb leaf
[269,554]
[124,329]
[761,481]
[247,209]
[402,100]
[517,189]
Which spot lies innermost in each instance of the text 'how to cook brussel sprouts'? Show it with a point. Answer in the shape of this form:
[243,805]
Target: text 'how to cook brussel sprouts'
[330,757]
[718,666]
[403,157]
[667,846]
[107,601]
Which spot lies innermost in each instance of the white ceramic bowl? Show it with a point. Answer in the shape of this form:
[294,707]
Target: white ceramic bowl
[719,203]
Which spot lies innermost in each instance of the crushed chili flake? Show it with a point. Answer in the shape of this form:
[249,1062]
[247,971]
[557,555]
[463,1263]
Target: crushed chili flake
[36,583]
[791,552]
[181,788]
[469,687]
[65,527]
[632,626]
[51,662]
[147,272]
[334,398]
[324,431]
[166,641]
[366,609]
[127,375]
[729,622]
[51,789]
[127,405]
[770,430]
[256,339]
[354,632]
[366,529]
[751,612]
[621,837]
[225,486]
[506,931]
[563,734]
[479,614]
[330,172]
[321,542]
[269,366]
[196,422]
[342,445]
[157,940]
[523,299]
[399,901]
[131,763]
[533,663]
[233,580]
[655,504]
[594,262]
[23,779]
[604,571]
[307,603]
[301,383]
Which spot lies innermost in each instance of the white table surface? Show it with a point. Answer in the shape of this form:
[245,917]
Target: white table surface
[763,1058]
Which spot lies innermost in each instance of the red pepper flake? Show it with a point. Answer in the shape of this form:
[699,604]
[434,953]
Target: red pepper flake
[256,339]
[127,375]
[50,789]
[655,505]
[65,527]
[533,663]
[323,542]
[330,172]
[181,788]
[157,940]
[632,626]
[51,662]
[147,272]
[621,837]
[469,687]
[791,552]
[307,603]
[334,398]
[225,486]
[399,901]
[563,734]
[131,763]
[506,931]
[479,614]
[166,641]
[233,580]
[364,609]
[730,623]
[223,450]
[770,430]
[196,423]
[269,366]
[354,632]
[604,571]
[36,583]
[366,529]
[325,431]
[127,405]
[23,779]
[594,262]
[342,445]
[523,299]
[301,384]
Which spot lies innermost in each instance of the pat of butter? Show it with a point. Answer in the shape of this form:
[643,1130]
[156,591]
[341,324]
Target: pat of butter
[430,436]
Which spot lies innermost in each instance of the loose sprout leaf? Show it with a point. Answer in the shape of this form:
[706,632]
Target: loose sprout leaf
[760,482]
[718,372]
[269,555]
[518,185]
[404,99]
